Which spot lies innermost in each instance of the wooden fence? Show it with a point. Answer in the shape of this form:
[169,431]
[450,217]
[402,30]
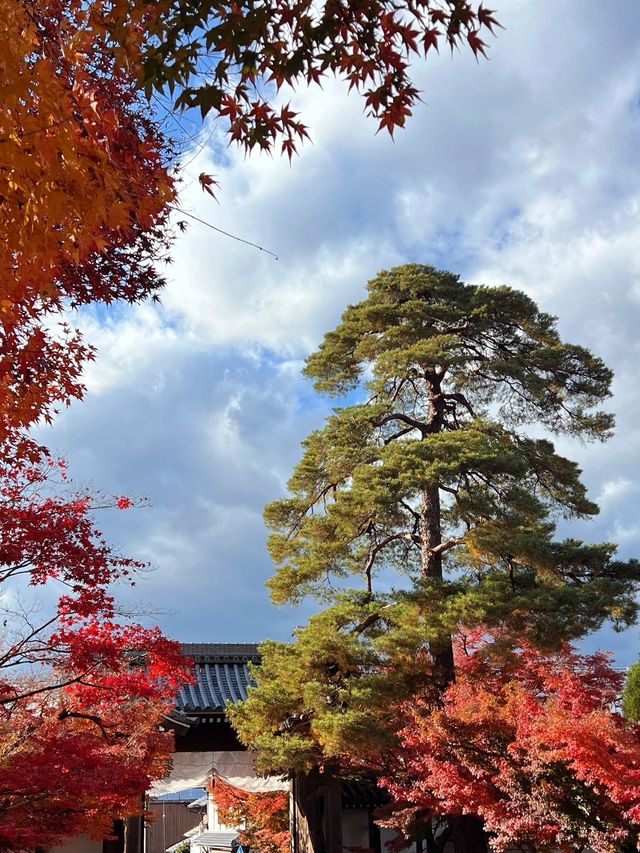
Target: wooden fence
[170,821]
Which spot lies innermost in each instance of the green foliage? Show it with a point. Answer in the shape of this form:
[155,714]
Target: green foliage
[429,504]
[327,692]
[631,694]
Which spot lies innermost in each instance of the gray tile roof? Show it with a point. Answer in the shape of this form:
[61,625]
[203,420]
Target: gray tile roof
[362,794]
[222,676]
[219,651]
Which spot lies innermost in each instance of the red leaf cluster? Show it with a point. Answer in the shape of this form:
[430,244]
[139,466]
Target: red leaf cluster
[528,741]
[263,818]
[69,772]
[81,692]
[368,43]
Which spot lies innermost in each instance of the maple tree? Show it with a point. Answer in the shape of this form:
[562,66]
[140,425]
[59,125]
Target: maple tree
[220,54]
[82,692]
[263,817]
[424,504]
[85,194]
[529,741]
[84,197]
[74,763]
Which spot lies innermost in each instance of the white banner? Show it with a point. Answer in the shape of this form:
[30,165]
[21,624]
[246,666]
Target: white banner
[193,769]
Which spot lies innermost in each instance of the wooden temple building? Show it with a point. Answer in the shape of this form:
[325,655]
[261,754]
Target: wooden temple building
[205,743]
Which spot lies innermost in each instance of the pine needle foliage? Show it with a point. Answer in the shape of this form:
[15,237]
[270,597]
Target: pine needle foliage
[631,694]
[429,504]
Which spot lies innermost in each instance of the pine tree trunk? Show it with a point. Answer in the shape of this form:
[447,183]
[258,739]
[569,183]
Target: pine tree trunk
[430,533]
[467,831]
[431,537]
[318,813]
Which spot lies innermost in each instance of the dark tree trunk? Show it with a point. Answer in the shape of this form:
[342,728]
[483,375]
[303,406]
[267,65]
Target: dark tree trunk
[466,831]
[463,833]
[318,813]
[468,835]
[430,533]
[115,844]
[431,562]
[133,834]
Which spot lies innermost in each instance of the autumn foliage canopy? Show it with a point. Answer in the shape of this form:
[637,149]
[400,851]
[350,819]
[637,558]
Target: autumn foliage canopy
[227,58]
[264,817]
[84,198]
[529,741]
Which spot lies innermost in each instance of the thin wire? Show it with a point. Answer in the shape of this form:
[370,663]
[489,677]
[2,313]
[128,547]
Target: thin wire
[226,233]
[199,150]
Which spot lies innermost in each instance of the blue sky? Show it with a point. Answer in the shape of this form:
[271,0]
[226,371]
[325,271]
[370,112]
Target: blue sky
[520,170]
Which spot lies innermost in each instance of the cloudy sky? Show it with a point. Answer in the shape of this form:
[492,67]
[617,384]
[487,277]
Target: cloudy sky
[521,170]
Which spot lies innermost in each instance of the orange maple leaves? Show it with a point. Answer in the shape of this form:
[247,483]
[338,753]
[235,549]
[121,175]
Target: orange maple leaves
[84,197]
[264,817]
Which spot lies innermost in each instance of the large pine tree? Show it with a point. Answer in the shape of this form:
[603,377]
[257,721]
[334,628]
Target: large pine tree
[430,502]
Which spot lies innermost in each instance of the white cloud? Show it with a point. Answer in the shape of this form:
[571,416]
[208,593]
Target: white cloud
[614,490]
[521,170]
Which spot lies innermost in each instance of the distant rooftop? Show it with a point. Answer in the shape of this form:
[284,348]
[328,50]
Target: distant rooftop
[215,840]
[240,652]
[222,676]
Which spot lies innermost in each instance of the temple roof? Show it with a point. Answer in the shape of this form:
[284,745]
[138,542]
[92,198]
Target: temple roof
[362,794]
[222,676]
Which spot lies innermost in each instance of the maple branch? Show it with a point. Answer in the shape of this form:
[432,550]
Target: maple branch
[92,718]
[24,134]
[38,690]
[17,649]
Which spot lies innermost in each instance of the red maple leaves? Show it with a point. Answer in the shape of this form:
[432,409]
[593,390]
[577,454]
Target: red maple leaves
[530,742]
[220,55]
[81,691]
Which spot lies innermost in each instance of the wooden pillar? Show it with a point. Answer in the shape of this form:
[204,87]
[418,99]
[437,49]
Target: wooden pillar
[375,842]
[332,817]
[134,834]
